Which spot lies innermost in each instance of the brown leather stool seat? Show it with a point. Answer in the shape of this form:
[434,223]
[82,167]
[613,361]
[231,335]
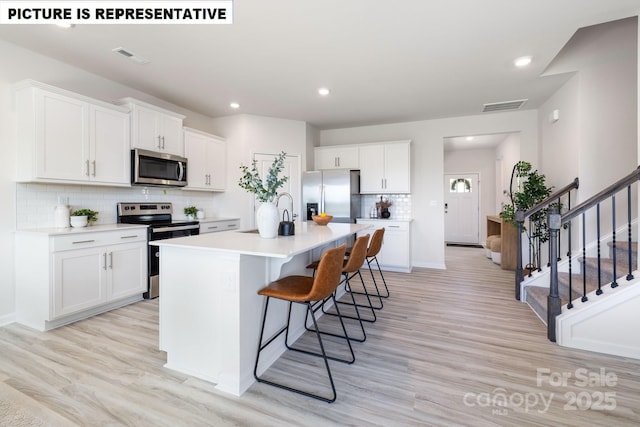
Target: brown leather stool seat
[350,269]
[305,290]
[374,249]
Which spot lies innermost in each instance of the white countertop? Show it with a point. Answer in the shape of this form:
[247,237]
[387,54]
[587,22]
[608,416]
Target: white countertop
[52,231]
[308,236]
[385,219]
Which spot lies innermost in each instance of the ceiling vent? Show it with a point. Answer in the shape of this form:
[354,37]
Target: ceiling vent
[130,55]
[504,106]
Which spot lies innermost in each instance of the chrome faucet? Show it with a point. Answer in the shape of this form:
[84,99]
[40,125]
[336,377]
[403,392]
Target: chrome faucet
[293,215]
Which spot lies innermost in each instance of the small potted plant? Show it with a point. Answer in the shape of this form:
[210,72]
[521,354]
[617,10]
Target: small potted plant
[190,212]
[83,217]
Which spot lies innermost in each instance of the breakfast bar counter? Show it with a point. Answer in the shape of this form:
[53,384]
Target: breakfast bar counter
[210,311]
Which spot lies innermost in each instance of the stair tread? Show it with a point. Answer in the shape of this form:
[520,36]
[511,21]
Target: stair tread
[537,295]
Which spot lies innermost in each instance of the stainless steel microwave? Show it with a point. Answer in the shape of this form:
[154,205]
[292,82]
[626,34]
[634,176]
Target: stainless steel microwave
[151,168]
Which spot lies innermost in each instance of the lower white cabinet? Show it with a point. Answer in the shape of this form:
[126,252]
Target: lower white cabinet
[217,225]
[395,254]
[62,277]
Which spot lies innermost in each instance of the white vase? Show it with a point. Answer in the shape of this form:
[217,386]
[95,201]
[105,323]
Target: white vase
[267,220]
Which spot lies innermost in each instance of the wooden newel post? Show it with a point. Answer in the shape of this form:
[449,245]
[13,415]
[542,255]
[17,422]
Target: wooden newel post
[554,305]
[519,272]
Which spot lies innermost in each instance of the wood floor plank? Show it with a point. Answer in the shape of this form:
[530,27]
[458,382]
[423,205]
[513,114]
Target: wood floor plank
[447,346]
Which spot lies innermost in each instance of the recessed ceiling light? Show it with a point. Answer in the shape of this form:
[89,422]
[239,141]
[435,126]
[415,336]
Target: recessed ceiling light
[523,61]
[65,25]
[469,138]
[323,91]
[234,105]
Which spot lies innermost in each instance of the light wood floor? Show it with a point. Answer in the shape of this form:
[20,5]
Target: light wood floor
[447,349]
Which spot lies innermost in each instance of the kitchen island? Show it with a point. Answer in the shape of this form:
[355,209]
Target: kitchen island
[210,311]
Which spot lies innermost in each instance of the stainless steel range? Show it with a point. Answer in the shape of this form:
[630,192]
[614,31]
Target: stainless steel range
[161,226]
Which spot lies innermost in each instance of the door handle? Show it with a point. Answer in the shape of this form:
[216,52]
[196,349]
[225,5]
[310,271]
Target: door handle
[159,145]
[93,163]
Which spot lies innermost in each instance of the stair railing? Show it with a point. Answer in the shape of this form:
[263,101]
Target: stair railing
[556,221]
[535,243]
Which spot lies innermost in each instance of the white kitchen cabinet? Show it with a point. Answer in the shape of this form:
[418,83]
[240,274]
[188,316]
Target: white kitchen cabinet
[207,155]
[64,137]
[336,157]
[395,254]
[385,168]
[215,225]
[109,146]
[154,128]
[64,276]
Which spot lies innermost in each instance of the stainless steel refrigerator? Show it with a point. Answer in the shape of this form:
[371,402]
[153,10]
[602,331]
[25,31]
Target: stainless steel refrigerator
[338,190]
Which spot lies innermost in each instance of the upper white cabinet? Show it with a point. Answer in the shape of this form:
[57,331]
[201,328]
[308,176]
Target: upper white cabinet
[66,137]
[154,128]
[385,168]
[336,157]
[207,155]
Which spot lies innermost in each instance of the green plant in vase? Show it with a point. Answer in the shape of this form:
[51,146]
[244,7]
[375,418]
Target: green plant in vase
[190,211]
[92,216]
[528,188]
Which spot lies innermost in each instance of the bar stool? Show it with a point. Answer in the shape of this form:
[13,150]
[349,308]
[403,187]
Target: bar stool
[304,290]
[372,252]
[350,269]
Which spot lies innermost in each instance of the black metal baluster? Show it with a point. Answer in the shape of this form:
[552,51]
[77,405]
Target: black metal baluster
[570,304]
[614,283]
[584,258]
[630,275]
[530,265]
[599,291]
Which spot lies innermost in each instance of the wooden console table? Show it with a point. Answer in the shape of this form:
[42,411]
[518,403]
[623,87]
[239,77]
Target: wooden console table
[509,236]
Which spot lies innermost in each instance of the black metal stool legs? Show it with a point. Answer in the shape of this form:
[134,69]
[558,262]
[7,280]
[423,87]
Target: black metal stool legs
[323,353]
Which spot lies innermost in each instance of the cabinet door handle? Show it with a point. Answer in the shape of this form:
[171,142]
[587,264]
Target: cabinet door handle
[212,227]
[159,145]
[93,163]
[385,183]
[393,226]
[82,241]
[111,260]
[104,256]
[382,183]
[338,161]
[87,166]
[163,142]
[129,237]
[231,225]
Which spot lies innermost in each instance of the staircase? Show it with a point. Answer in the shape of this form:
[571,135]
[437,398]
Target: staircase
[536,296]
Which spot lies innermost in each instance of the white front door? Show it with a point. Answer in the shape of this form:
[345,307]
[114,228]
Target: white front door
[292,186]
[461,208]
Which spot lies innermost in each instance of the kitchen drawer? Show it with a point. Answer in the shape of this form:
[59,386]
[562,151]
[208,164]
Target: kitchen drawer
[216,226]
[89,240]
[388,224]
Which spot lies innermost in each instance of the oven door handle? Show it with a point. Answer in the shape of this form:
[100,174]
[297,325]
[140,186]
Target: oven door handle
[179,228]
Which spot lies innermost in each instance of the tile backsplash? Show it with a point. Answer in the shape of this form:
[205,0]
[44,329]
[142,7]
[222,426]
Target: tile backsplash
[36,202]
[400,205]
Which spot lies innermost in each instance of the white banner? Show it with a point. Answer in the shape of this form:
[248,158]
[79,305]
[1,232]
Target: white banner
[116,12]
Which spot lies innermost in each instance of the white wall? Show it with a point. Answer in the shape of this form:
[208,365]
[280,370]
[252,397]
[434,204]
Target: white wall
[507,155]
[481,162]
[249,134]
[598,108]
[596,137]
[427,165]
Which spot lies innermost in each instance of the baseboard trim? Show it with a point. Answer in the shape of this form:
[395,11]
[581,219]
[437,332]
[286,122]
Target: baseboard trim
[432,265]
[7,319]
